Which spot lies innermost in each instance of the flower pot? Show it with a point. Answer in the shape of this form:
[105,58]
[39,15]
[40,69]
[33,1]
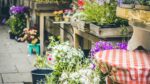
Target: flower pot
[66,18]
[57,19]
[127,6]
[107,31]
[142,7]
[51,6]
[11,35]
[38,75]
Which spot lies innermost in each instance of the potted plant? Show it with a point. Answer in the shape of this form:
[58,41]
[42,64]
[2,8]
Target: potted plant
[58,15]
[30,35]
[102,16]
[42,65]
[17,20]
[51,5]
[67,15]
[126,3]
[142,5]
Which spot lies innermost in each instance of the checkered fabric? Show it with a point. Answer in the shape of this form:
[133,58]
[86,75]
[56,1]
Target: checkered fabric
[127,67]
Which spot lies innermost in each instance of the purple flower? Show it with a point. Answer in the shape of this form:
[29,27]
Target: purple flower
[92,66]
[104,45]
[119,2]
[122,45]
[18,10]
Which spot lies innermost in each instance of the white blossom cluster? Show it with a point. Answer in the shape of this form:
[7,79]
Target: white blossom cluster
[84,76]
[66,53]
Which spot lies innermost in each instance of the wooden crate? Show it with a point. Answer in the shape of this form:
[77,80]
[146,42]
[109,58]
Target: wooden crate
[50,6]
[108,32]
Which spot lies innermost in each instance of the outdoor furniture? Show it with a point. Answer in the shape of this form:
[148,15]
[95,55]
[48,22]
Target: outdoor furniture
[139,20]
[125,67]
[35,47]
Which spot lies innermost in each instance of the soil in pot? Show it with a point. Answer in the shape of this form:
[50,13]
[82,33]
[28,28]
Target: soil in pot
[108,25]
[38,75]
[142,7]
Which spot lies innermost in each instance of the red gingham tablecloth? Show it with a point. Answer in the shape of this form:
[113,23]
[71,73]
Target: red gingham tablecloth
[132,67]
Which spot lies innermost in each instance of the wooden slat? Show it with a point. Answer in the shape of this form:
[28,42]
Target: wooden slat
[41,34]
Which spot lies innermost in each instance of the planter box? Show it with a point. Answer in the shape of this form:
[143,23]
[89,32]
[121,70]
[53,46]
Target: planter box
[127,5]
[51,6]
[108,32]
[142,7]
[38,75]
[133,14]
[83,26]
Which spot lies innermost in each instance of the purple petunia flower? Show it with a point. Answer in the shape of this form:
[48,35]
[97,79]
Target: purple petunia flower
[18,10]
[92,66]
[104,45]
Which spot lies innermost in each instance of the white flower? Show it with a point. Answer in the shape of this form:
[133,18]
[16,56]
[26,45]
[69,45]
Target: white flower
[64,76]
[74,75]
[66,82]
[96,80]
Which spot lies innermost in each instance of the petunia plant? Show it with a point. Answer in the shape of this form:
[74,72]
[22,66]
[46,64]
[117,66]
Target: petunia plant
[17,20]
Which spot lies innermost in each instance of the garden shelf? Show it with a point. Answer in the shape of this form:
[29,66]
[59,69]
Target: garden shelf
[51,6]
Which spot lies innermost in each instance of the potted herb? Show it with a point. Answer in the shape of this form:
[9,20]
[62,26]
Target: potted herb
[51,5]
[126,3]
[142,4]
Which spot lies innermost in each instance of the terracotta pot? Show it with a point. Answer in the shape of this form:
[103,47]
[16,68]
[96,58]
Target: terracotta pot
[142,7]
[127,6]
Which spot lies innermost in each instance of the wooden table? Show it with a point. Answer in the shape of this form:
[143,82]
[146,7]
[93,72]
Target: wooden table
[62,33]
[85,35]
[42,15]
[125,67]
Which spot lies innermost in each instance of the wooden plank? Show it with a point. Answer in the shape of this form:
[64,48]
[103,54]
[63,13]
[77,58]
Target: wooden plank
[76,39]
[41,34]
[62,32]
[45,13]
[86,35]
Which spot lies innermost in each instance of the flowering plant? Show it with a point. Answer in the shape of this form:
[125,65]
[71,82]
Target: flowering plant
[63,58]
[86,73]
[30,35]
[42,62]
[103,45]
[58,13]
[18,10]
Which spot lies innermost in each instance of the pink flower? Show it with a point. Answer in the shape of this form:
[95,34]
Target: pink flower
[49,59]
